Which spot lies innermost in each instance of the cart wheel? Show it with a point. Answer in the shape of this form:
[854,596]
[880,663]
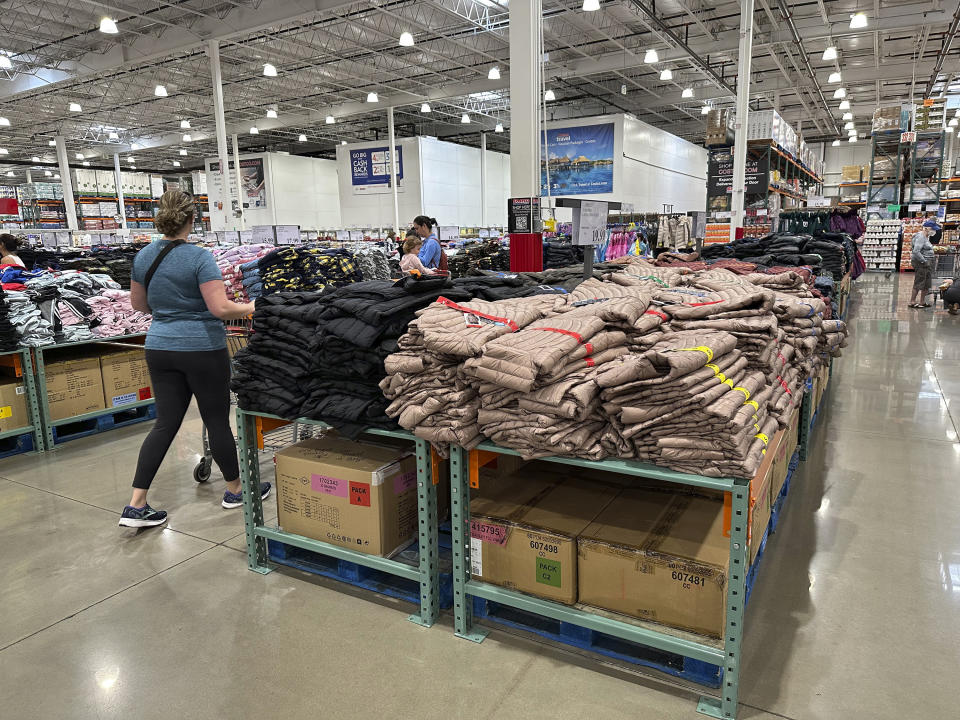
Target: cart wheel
[201,473]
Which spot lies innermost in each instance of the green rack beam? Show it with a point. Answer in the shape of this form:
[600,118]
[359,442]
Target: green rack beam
[724,706]
[428,571]
[35,427]
[40,370]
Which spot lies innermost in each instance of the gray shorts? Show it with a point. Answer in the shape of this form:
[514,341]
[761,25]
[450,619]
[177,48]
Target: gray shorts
[922,277]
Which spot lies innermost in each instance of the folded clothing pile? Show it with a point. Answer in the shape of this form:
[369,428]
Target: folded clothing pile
[373,262]
[231,260]
[833,337]
[478,256]
[305,268]
[559,253]
[24,314]
[9,337]
[116,315]
[321,355]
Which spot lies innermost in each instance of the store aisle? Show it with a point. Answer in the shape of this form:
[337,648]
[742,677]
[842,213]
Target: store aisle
[855,614]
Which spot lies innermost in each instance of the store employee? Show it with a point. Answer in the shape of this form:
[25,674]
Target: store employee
[431,251]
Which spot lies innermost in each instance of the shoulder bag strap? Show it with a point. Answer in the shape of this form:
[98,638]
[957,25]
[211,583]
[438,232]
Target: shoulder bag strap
[156,262]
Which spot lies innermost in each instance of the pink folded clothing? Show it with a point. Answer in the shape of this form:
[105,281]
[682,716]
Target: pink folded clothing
[116,315]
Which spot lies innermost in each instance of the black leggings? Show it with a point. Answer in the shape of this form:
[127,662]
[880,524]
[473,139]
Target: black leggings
[176,377]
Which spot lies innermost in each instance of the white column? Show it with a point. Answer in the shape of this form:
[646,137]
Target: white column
[394,170]
[29,177]
[525,16]
[483,179]
[118,178]
[213,50]
[242,223]
[66,184]
[743,107]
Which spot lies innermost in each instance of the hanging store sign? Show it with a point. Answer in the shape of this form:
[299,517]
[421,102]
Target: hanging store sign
[252,182]
[720,174]
[370,170]
[579,160]
[523,215]
[908,137]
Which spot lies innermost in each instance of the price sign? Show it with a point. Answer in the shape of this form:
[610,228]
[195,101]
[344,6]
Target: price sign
[356,236]
[908,137]
[590,223]
[246,236]
[264,234]
[915,207]
[343,236]
[288,234]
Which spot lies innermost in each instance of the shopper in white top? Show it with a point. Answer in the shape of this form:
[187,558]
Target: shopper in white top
[9,244]
[923,261]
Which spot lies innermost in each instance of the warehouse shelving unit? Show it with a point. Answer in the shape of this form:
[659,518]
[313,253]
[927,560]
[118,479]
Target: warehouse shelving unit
[428,572]
[926,164]
[886,168]
[39,366]
[724,653]
[21,362]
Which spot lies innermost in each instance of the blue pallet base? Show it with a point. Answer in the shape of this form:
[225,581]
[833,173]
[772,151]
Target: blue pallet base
[112,421]
[583,638]
[358,575]
[16,445]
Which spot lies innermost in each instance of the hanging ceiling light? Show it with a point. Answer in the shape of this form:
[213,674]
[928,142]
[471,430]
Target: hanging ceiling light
[830,53]
[494,73]
[498,128]
[591,5]
[953,122]
[687,93]
[705,110]
[176,163]
[957,114]
[425,108]
[112,136]
[852,139]
[849,126]
[35,158]
[851,133]
[47,173]
[272,114]
[131,160]
[372,97]
[9,173]
[302,138]
[835,77]
[465,119]
[623,89]
[845,105]
[187,138]
[343,142]
[5,63]
[51,143]
[949,129]
[330,120]
[666,74]
[651,56]
[254,130]
[4,122]
[858,21]
[549,96]
[839,93]
[183,152]
[79,156]
[86,164]
[847,116]
[75,107]
[4,151]
[836,143]
[108,26]
[160,91]
[406,39]
[184,124]
[269,70]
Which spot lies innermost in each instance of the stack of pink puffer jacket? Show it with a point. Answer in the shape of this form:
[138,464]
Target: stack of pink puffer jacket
[229,261]
[116,315]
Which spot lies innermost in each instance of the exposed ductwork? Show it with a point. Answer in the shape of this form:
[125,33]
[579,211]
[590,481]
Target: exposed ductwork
[944,51]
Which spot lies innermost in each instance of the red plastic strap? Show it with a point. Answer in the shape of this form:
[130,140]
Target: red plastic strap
[590,361]
[784,385]
[589,348]
[712,302]
[572,334]
[450,304]
[658,313]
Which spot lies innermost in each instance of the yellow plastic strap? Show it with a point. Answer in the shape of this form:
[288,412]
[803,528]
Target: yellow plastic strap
[715,368]
[721,377]
[762,437]
[745,392]
[701,348]
[752,402]
[728,381]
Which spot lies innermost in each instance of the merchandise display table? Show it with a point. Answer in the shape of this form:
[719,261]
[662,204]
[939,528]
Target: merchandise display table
[725,653]
[39,366]
[427,575]
[23,367]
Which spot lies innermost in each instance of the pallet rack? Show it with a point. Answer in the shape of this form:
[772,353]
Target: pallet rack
[21,362]
[885,179]
[39,366]
[428,572]
[926,166]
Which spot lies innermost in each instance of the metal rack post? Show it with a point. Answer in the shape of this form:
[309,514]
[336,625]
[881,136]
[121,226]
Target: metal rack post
[35,428]
[427,574]
[726,653]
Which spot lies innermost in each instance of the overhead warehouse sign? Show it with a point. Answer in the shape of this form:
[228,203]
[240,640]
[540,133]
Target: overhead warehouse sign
[579,159]
[370,170]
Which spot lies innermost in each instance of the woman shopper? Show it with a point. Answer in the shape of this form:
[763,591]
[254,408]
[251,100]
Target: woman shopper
[9,245]
[186,352]
[411,261]
[923,261]
[431,254]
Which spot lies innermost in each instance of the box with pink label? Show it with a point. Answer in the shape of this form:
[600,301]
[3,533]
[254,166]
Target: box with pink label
[359,495]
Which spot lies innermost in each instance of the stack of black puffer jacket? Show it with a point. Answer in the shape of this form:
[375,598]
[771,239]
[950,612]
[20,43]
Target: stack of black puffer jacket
[9,337]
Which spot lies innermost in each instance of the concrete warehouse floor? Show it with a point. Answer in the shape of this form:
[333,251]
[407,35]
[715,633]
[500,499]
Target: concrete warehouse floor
[856,612]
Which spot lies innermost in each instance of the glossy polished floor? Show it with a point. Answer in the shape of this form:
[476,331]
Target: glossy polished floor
[856,613]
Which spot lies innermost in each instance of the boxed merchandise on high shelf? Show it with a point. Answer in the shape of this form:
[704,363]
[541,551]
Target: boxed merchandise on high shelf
[719,127]
[930,116]
[879,248]
[892,117]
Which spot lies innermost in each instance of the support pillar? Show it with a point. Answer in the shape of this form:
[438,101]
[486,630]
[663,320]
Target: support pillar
[29,177]
[241,221]
[737,199]
[394,171]
[118,178]
[66,184]
[483,179]
[213,50]
[526,240]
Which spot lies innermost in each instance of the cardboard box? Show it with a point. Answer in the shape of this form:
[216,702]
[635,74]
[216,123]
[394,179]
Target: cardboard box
[13,405]
[126,378]
[74,386]
[525,538]
[659,557]
[851,173]
[357,495]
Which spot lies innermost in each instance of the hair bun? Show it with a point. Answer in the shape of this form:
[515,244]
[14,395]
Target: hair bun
[176,211]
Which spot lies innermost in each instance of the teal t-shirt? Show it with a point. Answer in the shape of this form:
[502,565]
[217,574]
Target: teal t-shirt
[181,320]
